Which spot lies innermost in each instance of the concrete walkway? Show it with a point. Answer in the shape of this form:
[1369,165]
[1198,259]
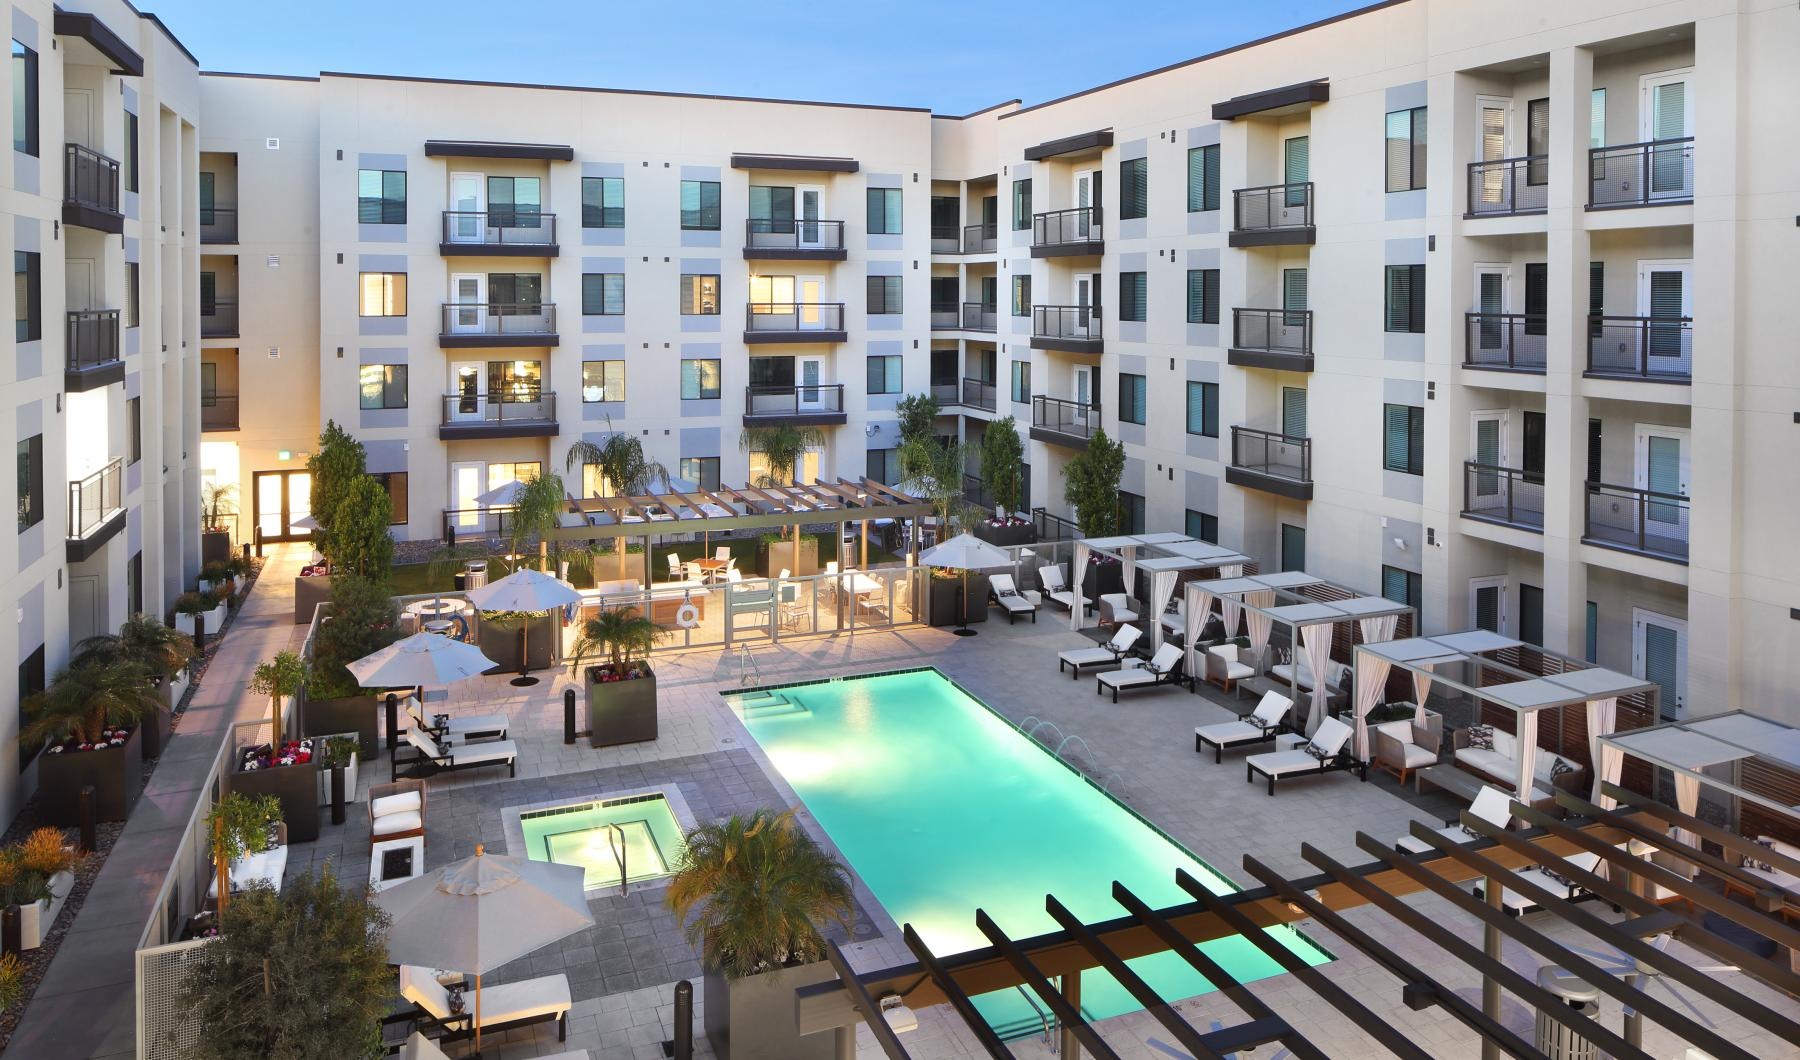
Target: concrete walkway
[86,1004]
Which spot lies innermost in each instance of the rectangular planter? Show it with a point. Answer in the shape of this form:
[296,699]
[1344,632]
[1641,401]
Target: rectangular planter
[35,919]
[1022,534]
[754,1018]
[157,726]
[309,593]
[215,621]
[946,600]
[776,555]
[215,546]
[358,716]
[620,712]
[117,774]
[325,776]
[297,789]
[1102,579]
[499,641]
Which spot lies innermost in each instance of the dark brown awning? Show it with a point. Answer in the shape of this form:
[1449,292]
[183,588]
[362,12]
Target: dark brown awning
[109,44]
[1068,145]
[493,149]
[805,163]
[1307,94]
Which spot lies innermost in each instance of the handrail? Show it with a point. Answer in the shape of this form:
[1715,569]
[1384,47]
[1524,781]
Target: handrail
[1650,173]
[980,238]
[1272,207]
[531,406]
[618,853]
[218,224]
[492,318]
[1064,416]
[1503,494]
[766,400]
[93,338]
[1080,224]
[1502,186]
[978,393]
[794,316]
[1066,322]
[1049,1037]
[1641,520]
[1247,442]
[1514,341]
[1273,330]
[96,498]
[90,178]
[793,233]
[491,227]
[979,316]
[1641,347]
[222,322]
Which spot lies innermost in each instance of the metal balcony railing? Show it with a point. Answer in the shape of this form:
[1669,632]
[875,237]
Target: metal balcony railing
[944,239]
[1271,453]
[781,401]
[1272,207]
[219,319]
[981,239]
[945,317]
[499,318]
[1637,520]
[979,316]
[1062,227]
[946,393]
[1514,341]
[1053,527]
[1503,495]
[90,179]
[95,499]
[1655,173]
[218,224]
[530,406]
[218,411]
[494,228]
[1061,416]
[1509,186]
[794,316]
[1288,331]
[1658,348]
[792,234]
[93,338]
[1066,322]
[979,394]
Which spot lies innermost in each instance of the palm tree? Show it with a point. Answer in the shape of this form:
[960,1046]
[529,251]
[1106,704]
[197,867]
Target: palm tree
[536,514]
[141,639]
[624,468]
[621,634]
[934,471]
[85,700]
[753,891]
[783,446]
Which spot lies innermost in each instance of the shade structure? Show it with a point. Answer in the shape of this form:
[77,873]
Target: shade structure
[505,494]
[965,552]
[421,659]
[524,590]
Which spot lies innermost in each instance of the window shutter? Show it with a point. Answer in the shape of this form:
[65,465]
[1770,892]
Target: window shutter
[1293,289]
[1293,412]
[1399,150]
[1196,179]
[1295,162]
[615,294]
[1196,408]
[1399,297]
[1665,304]
[1134,188]
[1487,608]
[875,292]
[1661,663]
[1196,297]
[1211,185]
[1671,111]
[1394,447]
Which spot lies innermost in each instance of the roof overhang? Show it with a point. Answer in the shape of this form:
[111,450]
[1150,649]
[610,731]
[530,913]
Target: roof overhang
[1070,145]
[1288,98]
[109,44]
[493,149]
[803,163]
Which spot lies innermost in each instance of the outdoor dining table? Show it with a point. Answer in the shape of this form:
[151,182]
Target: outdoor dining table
[426,609]
[711,567]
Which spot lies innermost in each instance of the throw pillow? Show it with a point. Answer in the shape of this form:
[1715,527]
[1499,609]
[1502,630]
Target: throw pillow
[1559,766]
[1481,736]
[1551,873]
[1753,863]
[1318,752]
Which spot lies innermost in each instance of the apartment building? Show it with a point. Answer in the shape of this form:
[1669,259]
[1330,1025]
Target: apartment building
[102,223]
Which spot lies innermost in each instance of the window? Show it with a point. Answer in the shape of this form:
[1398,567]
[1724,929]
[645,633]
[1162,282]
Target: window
[603,202]
[381,196]
[1593,451]
[1293,411]
[395,484]
[1203,527]
[884,466]
[209,294]
[1596,296]
[602,294]
[702,471]
[1203,409]
[884,211]
[25,99]
[1131,513]
[1402,587]
[699,380]
[884,294]
[603,381]
[1134,188]
[884,374]
[699,294]
[1592,654]
[1597,118]
[131,294]
[1203,178]
[1406,149]
[1021,381]
[207,183]
[515,293]
[1203,296]
[134,582]
[209,384]
[1293,547]
[1131,296]
[514,202]
[1021,296]
[1021,204]
[131,151]
[134,430]
[1537,297]
[1403,439]
[1133,396]
[1531,614]
[1406,298]
[1537,141]
[383,386]
[28,298]
[383,295]
[31,682]
[773,209]
[700,205]
[31,482]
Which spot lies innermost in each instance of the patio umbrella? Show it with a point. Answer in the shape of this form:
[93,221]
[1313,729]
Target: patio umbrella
[474,915]
[506,494]
[964,552]
[421,659]
[524,590]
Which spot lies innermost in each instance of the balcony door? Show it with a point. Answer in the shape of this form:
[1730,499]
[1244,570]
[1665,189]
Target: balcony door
[1487,604]
[809,203]
[1662,467]
[466,484]
[1493,293]
[1296,168]
[810,397]
[78,274]
[809,292]
[1659,655]
[468,200]
[466,383]
[468,290]
[1666,297]
[1084,292]
[1087,194]
[1493,121]
[78,117]
[1666,112]
[1487,447]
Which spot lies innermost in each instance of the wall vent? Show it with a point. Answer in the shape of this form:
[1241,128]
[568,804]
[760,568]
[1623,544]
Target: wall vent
[273,143]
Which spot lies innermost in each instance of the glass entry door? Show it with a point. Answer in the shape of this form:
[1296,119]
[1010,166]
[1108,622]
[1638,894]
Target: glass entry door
[282,498]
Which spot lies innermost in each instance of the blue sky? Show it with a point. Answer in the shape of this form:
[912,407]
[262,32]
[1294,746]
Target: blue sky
[951,57]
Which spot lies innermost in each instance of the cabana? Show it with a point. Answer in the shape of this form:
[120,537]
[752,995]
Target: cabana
[1754,761]
[1164,556]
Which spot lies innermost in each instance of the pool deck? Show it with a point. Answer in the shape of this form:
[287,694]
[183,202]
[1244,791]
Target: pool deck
[622,972]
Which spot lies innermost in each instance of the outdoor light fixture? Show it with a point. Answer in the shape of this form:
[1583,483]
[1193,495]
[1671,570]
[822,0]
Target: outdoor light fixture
[284,454]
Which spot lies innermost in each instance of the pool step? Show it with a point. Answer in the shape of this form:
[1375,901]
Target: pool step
[769,705]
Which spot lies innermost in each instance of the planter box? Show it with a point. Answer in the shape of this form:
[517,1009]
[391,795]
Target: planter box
[945,606]
[1101,579]
[620,712]
[349,777]
[297,789]
[610,568]
[117,774]
[158,726]
[215,546]
[1022,534]
[309,593]
[35,919]
[358,716]
[776,555]
[754,1018]
[499,641]
[215,621]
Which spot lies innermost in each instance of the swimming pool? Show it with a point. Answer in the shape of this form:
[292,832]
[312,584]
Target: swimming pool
[942,806]
[638,831]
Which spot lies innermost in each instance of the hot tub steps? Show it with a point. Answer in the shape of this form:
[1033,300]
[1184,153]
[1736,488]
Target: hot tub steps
[769,705]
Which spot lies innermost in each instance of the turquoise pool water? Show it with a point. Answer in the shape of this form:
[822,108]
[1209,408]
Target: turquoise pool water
[637,831]
[942,806]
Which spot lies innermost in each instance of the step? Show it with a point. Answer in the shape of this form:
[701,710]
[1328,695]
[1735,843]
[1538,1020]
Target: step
[760,700]
[778,711]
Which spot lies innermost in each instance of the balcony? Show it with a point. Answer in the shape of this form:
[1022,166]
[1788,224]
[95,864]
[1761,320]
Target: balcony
[1272,338]
[1504,342]
[477,324]
[531,414]
[1272,462]
[1657,173]
[975,394]
[979,316]
[1070,328]
[1509,187]
[793,240]
[1066,423]
[1504,496]
[982,239]
[794,322]
[1276,215]
[819,405]
[944,240]
[499,233]
[1652,349]
[93,350]
[1641,521]
[218,411]
[218,224]
[96,510]
[1066,233]
[945,317]
[91,190]
[219,319]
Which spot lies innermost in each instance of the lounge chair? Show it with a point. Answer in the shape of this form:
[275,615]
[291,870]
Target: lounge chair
[1116,610]
[1517,904]
[1058,590]
[396,810]
[442,755]
[1162,669]
[1223,667]
[419,1047]
[1404,746]
[1264,724]
[1112,653]
[464,727]
[503,1007]
[1491,805]
[1003,592]
[1326,753]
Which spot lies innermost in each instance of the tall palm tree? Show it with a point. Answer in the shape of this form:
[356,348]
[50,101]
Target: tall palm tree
[783,446]
[934,471]
[537,512]
[83,701]
[624,467]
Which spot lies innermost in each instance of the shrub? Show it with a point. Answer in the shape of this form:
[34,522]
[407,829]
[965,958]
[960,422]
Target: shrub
[215,572]
[12,981]
[196,603]
[1091,484]
[339,462]
[362,620]
[359,540]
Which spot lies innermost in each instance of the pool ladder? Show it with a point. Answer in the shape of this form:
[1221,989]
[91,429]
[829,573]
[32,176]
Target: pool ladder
[1049,1035]
[748,674]
[618,853]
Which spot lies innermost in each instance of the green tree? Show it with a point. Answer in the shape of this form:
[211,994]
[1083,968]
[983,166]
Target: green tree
[1091,484]
[625,469]
[918,417]
[362,621]
[783,447]
[359,540]
[299,975]
[934,471]
[1002,459]
[537,512]
[280,678]
[85,700]
[335,468]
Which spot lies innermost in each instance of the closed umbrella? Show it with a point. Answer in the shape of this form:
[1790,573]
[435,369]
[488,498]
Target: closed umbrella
[524,590]
[477,914]
[964,552]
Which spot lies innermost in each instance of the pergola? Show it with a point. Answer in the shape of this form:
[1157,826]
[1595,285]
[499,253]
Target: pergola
[1743,741]
[1166,556]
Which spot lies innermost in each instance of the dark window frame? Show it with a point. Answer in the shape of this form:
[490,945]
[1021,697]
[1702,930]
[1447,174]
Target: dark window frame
[30,485]
[27,141]
[691,292]
[704,215]
[1403,299]
[1134,398]
[1208,528]
[598,214]
[30,265]
[1209,409]
[1133,510]
[399,499]
[604,388]
[131,152]
[707,474]
[1021,295]
[1416,146]
[134,429]
[885,295]
[885,386]
[1134,297]
[1019,379]
[596,290]
[1208,198]
[133,295]
[700,388]
[1411,461]
[877,214]
[1411,591]
[394,379]
[389,206]
[1207,312]
[1134,189]
[389,285]
[1021,204]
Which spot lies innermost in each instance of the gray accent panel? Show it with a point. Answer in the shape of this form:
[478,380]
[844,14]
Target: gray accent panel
[31,619]
[599,437]
[1133,228]
[1132,363]
[1405,251]
[1132,330]
[1203,135]
[134,385]
[130,206]
[1205,334]
[1131,149]
[1403,97]
[25,172]
[883,402]
[381,355]
[25,31]
[1132,480]
[886,436]
[695,173]
[131,98]
[1137,261]
[1200,447]
[31,542]
[698,239]
[1399,486]
[1402,346]
[368,233]
[28,234]
[133,341]
[602,265]
[612,325]
[373,160]
[1202,492]
[690,349]
[701,408]
[614,237]
[886,268]
[385,456]
[376,418]
[1132,434]
[1405,205]
[700,441]
[1203,222]
[885,180]
[131,250]
[887,348]
[28,419]
[381,325]
[134,517]
[1408,531]
[1403,392]
[30,360]
[885,241]
[381,262]
[885,322]
[697,266]
[1201,371]
[694,322]
[607,351]
[611,169]
[602,410]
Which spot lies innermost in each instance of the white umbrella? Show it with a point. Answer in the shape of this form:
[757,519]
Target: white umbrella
[964,552]
[477,914]
[421,659]
[305,522]
[503,495]
[524,590]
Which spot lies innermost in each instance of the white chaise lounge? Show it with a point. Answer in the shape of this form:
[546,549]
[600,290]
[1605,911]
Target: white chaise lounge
[1162,669]
[1263,724]
[462,727]
[1568,890]
[446,754]
[419,1047]
[1491,805]
[1112,653]
[1058,590]
[1007,595]
[503,1007]
[1324,754]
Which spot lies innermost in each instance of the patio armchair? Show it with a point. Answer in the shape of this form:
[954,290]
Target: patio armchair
[1004,593]
[1327,752]
[1224,668]
[434,755]
[1491,805]
[1112,653]
[465,727]
[1404,746]
[1162,669]
[1267,722]
[503,1007]
[396,810]
[1116,610]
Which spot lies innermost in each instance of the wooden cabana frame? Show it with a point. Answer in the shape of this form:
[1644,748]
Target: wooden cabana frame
[747,507]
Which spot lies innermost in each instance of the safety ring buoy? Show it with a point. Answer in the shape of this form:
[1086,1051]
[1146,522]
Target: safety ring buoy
[687,616]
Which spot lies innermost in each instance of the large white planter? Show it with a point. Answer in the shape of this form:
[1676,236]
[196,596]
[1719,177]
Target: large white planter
[325,774]
[178,687]
[215,620]
[35,919]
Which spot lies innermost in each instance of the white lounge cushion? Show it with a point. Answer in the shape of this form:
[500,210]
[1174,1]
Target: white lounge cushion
[1133,677]
[1227,654]
[1518,903]
[1269,712]
[506,1003]
[268,866]
[1118,645]
[1330,739]
[1118,605]
[1491,805]
[491,751]
[401,803]
[392,823]
[1013,603]
[457,724]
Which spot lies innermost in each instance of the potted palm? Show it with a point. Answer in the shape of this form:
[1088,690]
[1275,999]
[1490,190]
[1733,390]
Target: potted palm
[36,875]
[751,892]
[165,652]
[284,768]
[782,448]
[621,690]
[216,510]
[88,718]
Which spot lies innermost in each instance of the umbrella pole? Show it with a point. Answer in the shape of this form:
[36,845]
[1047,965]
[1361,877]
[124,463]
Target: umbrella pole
[964,630]
[478,1015]
[525,680]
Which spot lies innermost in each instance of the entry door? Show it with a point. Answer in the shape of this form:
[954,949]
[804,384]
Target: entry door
[1487,446]
[1487,604]
[79,275]
[1084,388]
[809,292]
[1492,117]
[468,198]
[1665,113]
[809,200]
[1493,293]
[283,498]
[1666,297]
[1083,295]
[1659,655]
[84,607]
[467,382]
[1662,467]
[810,397]
[467,481]
[1087,193]
[469,291]
[78,116]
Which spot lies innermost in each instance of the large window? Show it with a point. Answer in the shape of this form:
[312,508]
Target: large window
[382,386]
[1021,204]
[700,380]
[603,202]
[1134,188]
[884,466]
[514,202]
[1021,382]
[1203,296]
[31,482]
[1402,587]
[134,430]
[602,381]
[884,294]
[1021,296]
[395,484]
[381,196]
[25,99]
[383,295]
[1203,178]
[884,211]
[1132,296]
[1406,298]
[28,298]
[520,293]
[603,294]
[700,205]
[131,294]
[1202,526]
[699,294]
[772,207]
[1406,149]
[1403,438]
[1134,398]
[131,151]
[1203,409]
[702,471]
[31,682]
[1131,513]
[884,374]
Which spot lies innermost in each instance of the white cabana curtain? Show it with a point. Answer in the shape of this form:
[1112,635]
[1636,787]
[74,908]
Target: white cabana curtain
[1078,572]
[1371,678]
[1528,753]
[1259,623]
[1379,628]
[1602,715]
[1612,766]
[1687,800]
[1162,587]
[1199,605]
[1231,607]
[1316,640]
[1232,570]
[1421,691]
[1129,552]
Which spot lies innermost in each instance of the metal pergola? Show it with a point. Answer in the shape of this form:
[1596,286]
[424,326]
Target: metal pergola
[1734,740]
[743,508]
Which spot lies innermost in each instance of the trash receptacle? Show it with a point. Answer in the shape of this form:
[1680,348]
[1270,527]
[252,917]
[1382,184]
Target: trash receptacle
[475,574]
[459,581]
[1555,1039]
